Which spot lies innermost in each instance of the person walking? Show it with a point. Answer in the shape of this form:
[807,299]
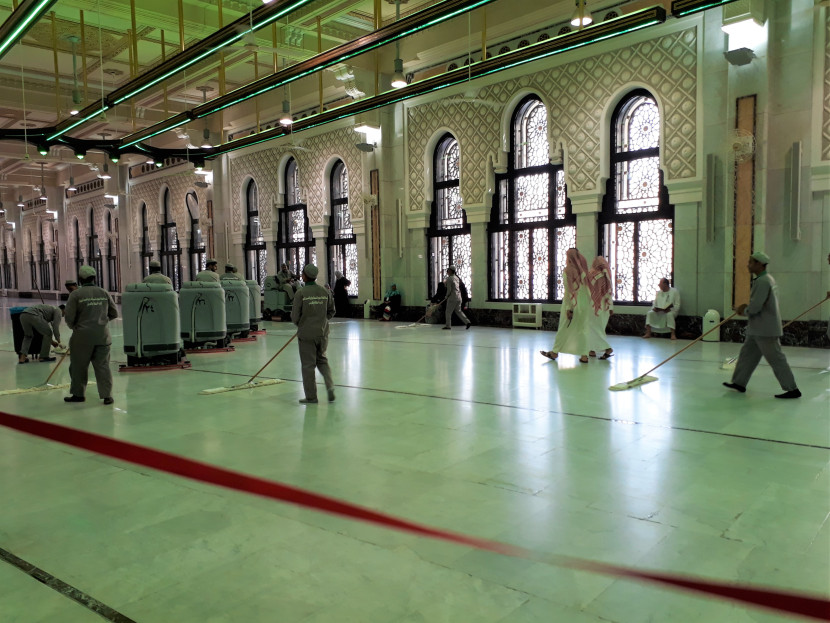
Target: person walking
[313,308]
[454,300]
[46,320]
[602,301]
[763,332]
[155,275]
[572,335]
[88,312]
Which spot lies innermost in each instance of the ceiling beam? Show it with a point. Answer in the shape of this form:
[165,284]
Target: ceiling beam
[20,21]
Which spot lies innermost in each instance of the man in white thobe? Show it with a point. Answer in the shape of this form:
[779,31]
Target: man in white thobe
[664,309]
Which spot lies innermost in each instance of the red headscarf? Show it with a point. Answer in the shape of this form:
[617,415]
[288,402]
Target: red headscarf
[576,272]
[599,282]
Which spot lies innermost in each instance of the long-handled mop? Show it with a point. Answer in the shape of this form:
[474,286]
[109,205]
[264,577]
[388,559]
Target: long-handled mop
[417,322]
[730,363]
[645,378]
[250,384]
[39,388]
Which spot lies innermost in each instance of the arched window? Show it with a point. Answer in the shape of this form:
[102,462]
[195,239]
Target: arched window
[196,250]
[636,224]
[256,256]
[79,259]
[95,251]
[171,252]
[112,255]
[295,243]
[32,263]
[43,262]
[342,241]
[531,224]
[450,242]
[146,251]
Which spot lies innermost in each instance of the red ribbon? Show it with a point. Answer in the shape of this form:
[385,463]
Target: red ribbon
[774,599]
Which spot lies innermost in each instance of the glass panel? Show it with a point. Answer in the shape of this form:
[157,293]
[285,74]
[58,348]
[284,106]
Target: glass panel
[639,126]
[447,166]
[541,264]
[450,214]
[532,137]
[532,198]
[462,258]
[298,229]
[565,239]
[638,185]
[344,257]
[655,256]
[522,246]
[504,203]
[292,183]
[342,221]
[561,197]
[501,265]
[619,249]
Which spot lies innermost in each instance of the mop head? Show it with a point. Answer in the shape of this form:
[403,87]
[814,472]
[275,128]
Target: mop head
[412,326]
[232,388]
[642,380]
[39,388]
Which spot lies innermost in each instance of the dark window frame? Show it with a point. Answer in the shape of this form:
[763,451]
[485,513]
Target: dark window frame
[255,246]
[170,253]
[294,253]
[337,199]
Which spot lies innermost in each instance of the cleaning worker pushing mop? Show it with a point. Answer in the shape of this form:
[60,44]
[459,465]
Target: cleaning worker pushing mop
[313,308]
[763,330]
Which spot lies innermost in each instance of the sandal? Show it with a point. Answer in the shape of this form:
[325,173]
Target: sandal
[549,354]
[583,359]
[592,353]
[607,355]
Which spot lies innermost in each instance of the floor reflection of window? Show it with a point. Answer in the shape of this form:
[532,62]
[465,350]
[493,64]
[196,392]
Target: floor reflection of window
[450,243]
[531,224]
[637,221]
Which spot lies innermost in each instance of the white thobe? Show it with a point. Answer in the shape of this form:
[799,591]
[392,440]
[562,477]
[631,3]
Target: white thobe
[664,321]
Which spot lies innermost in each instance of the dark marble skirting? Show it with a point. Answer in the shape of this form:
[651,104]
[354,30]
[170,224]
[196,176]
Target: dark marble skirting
[810,333]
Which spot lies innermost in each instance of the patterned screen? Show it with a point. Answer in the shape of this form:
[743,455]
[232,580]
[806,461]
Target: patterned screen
[342,241]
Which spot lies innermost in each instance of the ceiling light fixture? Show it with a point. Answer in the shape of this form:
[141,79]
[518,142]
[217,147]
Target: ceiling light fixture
[206,132]
[582,16]
[72,187]
[285,118]
[398,79]
[231,33]
[105,174]
[601,31]
[21,19]
[680,8]
[20,203]
[42,185]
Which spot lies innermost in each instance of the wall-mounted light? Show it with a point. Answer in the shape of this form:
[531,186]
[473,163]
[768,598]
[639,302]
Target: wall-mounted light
[80,155]
[113,198]
[54,214]
[744,23]
[43,150]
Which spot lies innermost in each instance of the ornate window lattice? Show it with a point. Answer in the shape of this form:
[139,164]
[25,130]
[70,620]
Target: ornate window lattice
[44,269]
[79,260]
[32,263]
[531,224]
[55,262]
[295,243]
[196,249]
[342,241]
[637,222]
[112,255]
[256,255]
[450,243]
[171,251]
[146,251]
[94,258]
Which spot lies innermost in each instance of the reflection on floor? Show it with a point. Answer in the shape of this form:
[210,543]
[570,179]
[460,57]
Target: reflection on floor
[471,431]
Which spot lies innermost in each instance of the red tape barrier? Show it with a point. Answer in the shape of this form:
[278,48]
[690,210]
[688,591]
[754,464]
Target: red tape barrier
[770,598]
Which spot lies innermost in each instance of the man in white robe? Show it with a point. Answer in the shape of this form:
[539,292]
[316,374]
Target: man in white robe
[661,318]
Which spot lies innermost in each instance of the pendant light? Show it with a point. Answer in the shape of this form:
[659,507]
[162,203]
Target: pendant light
[20,203]
[582,16]
[42,185]
[398,79]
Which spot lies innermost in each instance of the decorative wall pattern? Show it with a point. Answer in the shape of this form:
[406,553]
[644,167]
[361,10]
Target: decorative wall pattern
[312,156]
[31,226]
[78,208]
[825,126]
[149,193]
[578,94]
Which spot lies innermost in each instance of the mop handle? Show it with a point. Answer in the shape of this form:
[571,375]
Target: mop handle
[55,369]
[271,359]
[717,326]
[807,312]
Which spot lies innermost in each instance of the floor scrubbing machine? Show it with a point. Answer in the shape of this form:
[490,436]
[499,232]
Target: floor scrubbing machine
[203,320]
[152,339]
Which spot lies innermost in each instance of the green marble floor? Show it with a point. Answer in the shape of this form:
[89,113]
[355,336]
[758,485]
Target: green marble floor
[470,431]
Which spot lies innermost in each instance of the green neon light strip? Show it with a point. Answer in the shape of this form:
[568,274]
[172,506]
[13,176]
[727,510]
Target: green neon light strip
[103,109]
[160,131]
[459,79]
[24,24]
[696,9]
